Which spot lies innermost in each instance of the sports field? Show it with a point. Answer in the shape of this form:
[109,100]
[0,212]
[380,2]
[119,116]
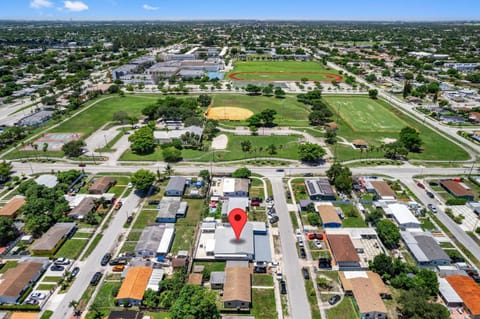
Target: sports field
[289,111]
[367,115]
[282,71]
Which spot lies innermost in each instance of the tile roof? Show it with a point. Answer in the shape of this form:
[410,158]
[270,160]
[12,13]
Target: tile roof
[342,248]
[366,300]
[468,290]
[456,188]
[12,207]
[135,283]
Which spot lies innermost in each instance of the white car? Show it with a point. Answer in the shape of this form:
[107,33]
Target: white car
[317,243]
[38,295]
[130,185]
[62,261]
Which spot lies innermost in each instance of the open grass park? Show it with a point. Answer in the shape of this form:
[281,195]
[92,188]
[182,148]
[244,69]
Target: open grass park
[283,71]
[378,122]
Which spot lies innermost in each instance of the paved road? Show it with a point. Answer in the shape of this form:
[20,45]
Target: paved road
[300,308]
[92,263]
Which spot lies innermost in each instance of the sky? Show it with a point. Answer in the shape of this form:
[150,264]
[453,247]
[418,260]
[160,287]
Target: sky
[409,10]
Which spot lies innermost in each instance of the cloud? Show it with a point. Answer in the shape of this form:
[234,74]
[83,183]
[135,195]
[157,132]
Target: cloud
[37,4]
[75,6]
[149,7]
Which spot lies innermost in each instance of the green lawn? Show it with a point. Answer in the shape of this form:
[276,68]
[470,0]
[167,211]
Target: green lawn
[262,280]
[312,299]
[106,295]
[263,304]
[144,218]
[281,71]
[158,315]
[92,245]
[72,248]
[8,265]
[92,119]
[435,147]
[47,287]
[353,222]
[287,147]
[344,310]
[185,227]
[366,115]
[211,265]
[289,111]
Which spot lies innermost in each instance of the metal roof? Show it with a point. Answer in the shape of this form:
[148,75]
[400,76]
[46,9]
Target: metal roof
[176,183]
[423,246]
[47,180]
[227,244]
[262,248]
[403,215]
[447,291]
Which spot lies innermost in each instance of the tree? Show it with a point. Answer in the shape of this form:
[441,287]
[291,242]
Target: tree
[268,116]
[246,146]
[382,264]
[5,170]
[373,93]
[343,182]
[195,302]
[279,93]
[272,149]
[171,154]
[204,100]
[330,136]
[242,172]
[427,279]
[8,231]
[150,298]
[313,219]
[267,91]
[73,148]
[253,89]
[371,78]
[318,116]
[120,116]
[168,170]
[388,233]
[142,141]
[410,138]
[310,152]
[45,147]
[374,217]
[143,179]
[395,150]
[205,175]
[255,120]
[415,304]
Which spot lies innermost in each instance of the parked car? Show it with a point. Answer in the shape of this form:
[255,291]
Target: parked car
[105,259]
[305,273]
[118,261]
[421,185]
[118,268]
[57,268]
[153,202]
[317,243]
[254,203]
[280,170]
[75,272]
[130,185]
[283,287]
[129,219]
[303,254]
[96,278]
[289,195]
[334,299]
[278,274]
[430,194]
[312,236]
[308,174]
[273,219]
[38,295]
[118,205]
[62,261]
[32,302]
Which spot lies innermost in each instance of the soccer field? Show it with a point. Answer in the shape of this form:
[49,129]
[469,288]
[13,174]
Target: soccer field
[366,115]
[283,71]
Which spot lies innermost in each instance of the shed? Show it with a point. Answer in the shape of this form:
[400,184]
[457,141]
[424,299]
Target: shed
[102,185]
[176,186]
[10,210]
[360,143]
[217,279]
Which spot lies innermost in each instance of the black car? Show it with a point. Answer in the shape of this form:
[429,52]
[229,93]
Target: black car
[118,261]
[305,273]
[430,194]
[105,259]
[308,174]
[129,219]
[334,299]
[303,254]
[57,268]
[274,219]
[75,272]
[283,287]
[153,202]
[289,195]
[96,278]
[280,170]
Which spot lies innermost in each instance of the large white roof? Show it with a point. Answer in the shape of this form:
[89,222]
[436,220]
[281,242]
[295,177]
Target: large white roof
[228,185]
[402,214]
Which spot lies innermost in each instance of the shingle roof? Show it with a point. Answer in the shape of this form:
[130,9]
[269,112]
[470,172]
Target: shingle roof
[135,283]
[86,205]
[102,184]
[12,207]
[382,189]
[366,300]
[49,240]
[342,248]
[468,290]
[237,284]
[456,188]
[15,279]
[328,214]
[176,183]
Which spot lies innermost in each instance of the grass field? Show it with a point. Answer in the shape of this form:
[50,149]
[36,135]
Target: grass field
[185,227]
[72,248]
[435,147]
[344,310]
[263,301]
[92,119]
[366,115]
[282,71]
[289,111]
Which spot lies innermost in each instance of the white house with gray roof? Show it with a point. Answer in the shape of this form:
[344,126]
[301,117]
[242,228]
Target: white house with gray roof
[425,249]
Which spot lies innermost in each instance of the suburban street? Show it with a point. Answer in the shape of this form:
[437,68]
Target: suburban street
[59,304]
[297,297]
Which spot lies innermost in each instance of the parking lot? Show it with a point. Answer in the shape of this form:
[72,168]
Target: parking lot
[471,219]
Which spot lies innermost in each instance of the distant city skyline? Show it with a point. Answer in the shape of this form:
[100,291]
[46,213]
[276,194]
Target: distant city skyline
[367,10]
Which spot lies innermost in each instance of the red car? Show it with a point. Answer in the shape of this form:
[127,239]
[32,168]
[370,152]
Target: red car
[421,185]
[312,236]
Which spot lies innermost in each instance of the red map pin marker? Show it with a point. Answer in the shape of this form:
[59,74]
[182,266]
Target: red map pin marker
[237,218]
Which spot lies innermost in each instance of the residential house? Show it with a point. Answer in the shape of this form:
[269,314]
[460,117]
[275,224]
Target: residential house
[319,189]
[234,202]
[343,251]
[51,241]
[425,249]
[383,191]
[176,186]
[403,216]
[237,292]
[448,294]
[329,216]
[134,285]
[15,281]
[87,205]
[234,187]
[370,305]
[102,185]
[457,190]
[155,240]
[469,291]
[171,208]
[11,209]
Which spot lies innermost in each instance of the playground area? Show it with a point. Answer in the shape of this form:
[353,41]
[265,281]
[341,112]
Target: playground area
[228,113]
[55,141]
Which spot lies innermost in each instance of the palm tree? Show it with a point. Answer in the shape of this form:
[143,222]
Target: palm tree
[168,170]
